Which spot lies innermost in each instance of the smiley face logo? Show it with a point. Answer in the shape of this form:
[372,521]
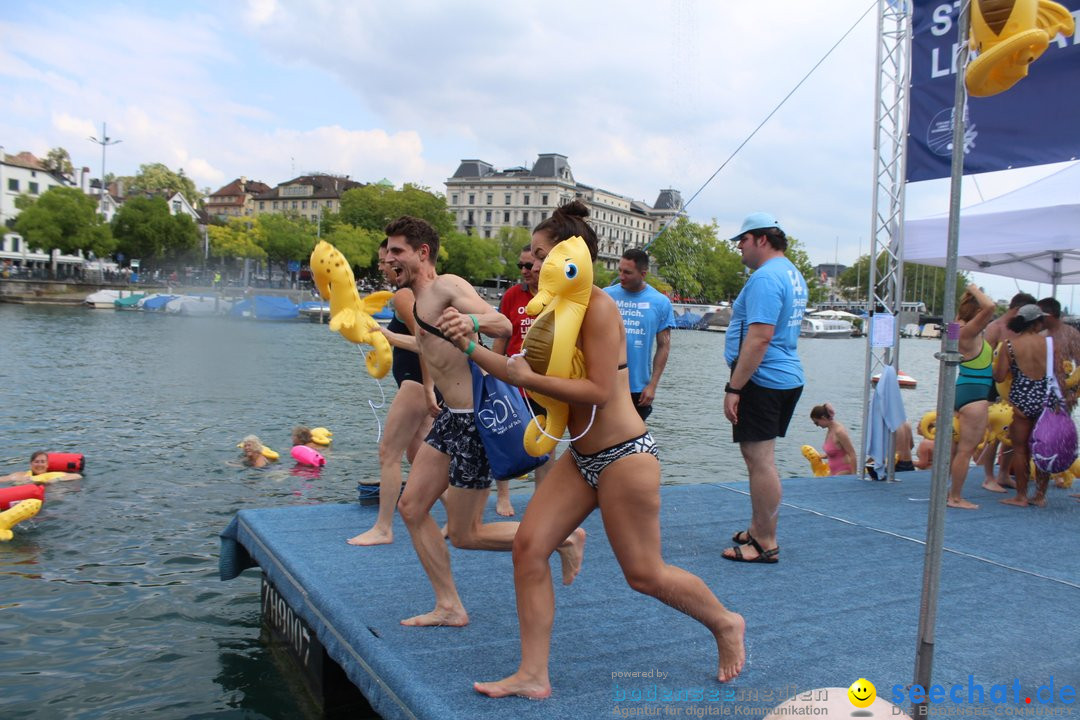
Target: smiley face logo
[862,693]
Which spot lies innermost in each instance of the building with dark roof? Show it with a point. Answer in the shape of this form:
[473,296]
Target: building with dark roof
[484,199]
[307,196]
[237,199]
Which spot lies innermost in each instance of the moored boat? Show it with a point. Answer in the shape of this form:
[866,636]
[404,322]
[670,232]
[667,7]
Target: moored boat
[902,378]
[825,328]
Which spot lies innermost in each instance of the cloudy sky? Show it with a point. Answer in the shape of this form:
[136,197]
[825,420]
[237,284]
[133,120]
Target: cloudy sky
[639,95]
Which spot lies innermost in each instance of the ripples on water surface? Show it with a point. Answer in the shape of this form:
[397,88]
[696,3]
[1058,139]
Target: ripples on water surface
[110,604]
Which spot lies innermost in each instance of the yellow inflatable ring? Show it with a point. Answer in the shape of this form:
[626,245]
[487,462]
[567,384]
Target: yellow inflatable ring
[266,452]
[1072,374]
[46,478]
[550,345]
[928,426]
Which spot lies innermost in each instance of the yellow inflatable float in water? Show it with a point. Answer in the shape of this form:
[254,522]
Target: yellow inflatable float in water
[20,511]
[349,315]
[817,463]
[266,452]
[1008,36]
[321,436]
[550,346]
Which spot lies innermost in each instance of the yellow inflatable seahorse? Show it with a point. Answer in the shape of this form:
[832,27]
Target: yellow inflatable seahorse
[22,510]
[999,418]
[350,315]
[1009,35]
[817,463]
[550,345]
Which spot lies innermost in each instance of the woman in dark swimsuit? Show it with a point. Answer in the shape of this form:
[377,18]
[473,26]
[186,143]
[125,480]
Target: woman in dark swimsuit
[1024,360]
[408,420]
[614,467]
[973,383]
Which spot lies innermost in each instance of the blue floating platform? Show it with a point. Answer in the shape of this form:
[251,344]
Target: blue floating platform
[842,604]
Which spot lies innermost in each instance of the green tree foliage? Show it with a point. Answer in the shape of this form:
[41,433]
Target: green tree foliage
[145,229]
[696,263]
[473,258]
[359,245]
[922,283]
[58,161]
[63,219]
[511,240]
[374,206]
[237,238]
[602,277]
[798,257]
[286,237]
[157,178]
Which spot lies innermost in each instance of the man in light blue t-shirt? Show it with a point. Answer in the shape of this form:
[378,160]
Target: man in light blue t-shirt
[766,375]
[647,315]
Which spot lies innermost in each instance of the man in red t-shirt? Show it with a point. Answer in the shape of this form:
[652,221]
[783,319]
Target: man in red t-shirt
[512,306]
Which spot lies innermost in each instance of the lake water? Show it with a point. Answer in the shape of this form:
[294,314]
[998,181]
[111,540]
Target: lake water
[110,604]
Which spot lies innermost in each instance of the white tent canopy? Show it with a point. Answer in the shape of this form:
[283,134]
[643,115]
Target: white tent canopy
[1032,233]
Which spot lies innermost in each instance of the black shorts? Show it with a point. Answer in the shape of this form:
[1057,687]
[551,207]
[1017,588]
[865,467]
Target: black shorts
[643,410]
[764,413]
[454,433]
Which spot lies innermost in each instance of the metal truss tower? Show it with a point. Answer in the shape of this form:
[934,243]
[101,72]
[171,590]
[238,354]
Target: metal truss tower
[886,282]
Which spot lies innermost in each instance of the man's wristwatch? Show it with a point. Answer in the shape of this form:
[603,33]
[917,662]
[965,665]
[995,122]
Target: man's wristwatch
[731,390]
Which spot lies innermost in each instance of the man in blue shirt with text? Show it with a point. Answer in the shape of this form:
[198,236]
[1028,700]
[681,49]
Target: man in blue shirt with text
[646,314]
[766,375]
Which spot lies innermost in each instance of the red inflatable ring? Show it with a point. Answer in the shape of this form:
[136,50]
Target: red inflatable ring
[66,462]
[17,493]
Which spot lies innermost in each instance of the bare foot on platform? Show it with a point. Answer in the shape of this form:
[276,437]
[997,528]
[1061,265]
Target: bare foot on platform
[1018,501]
[1039,501]
[1075,496]
[961,503]
[992,485]
[504,508]
[572,554]
[730,633]
[515,685]
[439,618]
[374,536]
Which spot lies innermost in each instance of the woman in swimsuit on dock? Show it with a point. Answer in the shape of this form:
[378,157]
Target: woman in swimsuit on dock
[614,467]
[1024,360]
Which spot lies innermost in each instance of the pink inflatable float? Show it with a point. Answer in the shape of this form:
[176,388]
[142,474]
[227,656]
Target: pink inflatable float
[305,455]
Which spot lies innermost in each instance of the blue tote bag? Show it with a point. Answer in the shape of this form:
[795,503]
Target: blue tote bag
[501,419]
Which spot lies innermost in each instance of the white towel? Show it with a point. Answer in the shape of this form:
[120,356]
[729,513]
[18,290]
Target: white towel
[886,414]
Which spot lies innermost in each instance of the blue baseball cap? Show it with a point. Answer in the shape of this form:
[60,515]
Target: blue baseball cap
[757,221]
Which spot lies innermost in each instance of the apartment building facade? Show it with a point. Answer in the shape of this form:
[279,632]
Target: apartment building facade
[484,199]
[309,196]
[237,199]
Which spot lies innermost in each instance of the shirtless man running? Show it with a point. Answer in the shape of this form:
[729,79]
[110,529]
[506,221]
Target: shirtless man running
[452,453]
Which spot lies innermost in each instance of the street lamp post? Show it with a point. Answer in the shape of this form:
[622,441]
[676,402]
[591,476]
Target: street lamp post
[104,142]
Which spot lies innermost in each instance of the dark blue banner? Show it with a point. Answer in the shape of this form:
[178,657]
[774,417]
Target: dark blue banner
[1035,122]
